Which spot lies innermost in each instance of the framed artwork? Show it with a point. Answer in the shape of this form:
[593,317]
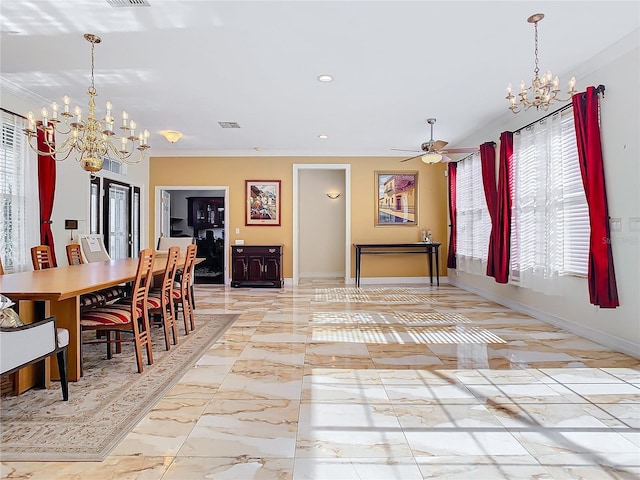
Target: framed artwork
[396,198]
[263,202]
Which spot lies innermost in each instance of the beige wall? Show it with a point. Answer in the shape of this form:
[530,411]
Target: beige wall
[321,226]
[233,171]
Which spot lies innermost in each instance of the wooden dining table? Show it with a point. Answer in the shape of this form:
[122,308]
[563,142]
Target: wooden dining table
[60,288]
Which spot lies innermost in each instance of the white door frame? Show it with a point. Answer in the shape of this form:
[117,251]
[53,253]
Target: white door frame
[158,213]
[296,214]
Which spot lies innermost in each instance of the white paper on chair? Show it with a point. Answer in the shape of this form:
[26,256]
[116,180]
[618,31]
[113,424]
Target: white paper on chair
[93,244]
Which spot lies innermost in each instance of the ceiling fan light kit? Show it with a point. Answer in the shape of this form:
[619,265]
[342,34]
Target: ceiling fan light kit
[545,89]
[431,157]
[434,151]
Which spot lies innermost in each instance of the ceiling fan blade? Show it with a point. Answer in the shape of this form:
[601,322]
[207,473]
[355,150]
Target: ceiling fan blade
[438,145]
[403,150]
[411,158]
[459,150]
[446,159]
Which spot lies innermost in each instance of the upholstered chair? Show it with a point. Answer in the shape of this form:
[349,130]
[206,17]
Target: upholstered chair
[27,344]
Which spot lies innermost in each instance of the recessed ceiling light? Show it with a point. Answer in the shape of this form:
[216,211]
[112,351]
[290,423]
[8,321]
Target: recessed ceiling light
[325,78]
[323,137]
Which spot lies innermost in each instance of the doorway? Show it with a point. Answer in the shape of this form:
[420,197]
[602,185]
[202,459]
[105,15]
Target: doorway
[322,221]
[114,211]
[201,213]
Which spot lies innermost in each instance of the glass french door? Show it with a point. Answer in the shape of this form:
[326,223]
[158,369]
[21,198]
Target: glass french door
[119,216]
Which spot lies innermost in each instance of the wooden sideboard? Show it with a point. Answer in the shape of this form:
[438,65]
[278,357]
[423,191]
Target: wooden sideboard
[256,266]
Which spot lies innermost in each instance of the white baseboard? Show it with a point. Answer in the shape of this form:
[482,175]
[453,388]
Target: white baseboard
[603,338]
[396,280]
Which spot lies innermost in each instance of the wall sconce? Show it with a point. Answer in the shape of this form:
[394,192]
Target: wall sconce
[333,195]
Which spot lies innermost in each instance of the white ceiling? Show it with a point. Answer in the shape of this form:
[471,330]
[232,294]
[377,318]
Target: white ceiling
[186,65]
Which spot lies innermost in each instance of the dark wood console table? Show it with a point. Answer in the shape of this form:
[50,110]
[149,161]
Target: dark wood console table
[430,249]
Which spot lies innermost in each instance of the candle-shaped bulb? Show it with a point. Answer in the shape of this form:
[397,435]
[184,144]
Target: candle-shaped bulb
[132,126]
[54,110]
[108,105]
[522,86]
[124,142]
[125,116]
[32,120]
[572,84]
[556,83]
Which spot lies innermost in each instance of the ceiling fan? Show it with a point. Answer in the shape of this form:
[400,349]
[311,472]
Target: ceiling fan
[433,151]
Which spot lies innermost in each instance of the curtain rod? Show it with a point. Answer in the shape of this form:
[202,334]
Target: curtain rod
[12,113]
[599,89]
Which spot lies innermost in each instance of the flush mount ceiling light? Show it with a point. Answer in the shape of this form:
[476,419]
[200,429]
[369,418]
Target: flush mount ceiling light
[545,90]
[92,140]
[171,135]
[323,137]
[325,78]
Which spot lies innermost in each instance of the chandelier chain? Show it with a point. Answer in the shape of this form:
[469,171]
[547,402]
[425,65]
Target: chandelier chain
[536,70]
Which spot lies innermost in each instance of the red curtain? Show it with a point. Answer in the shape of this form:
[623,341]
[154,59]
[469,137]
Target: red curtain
[451,256]
[46,192]
[488,163]
[502,239]
[602,279]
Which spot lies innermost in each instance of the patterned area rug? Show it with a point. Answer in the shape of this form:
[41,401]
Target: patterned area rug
[105,404]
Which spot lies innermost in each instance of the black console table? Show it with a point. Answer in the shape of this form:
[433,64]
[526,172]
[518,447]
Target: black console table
[430,249]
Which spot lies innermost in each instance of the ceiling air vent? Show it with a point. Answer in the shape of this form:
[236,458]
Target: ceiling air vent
[229,124]
[128,3]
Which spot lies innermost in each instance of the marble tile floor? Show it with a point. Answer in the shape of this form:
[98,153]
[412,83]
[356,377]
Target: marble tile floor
[327,382]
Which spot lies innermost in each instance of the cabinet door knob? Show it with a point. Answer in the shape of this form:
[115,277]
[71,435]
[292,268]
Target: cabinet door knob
[239,250]
[272,250]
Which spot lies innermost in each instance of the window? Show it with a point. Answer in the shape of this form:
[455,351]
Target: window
[473,222]
[550,217]
[19,210]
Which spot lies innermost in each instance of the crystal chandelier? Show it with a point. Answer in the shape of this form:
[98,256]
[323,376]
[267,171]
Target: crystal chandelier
[545,90]
[91,140]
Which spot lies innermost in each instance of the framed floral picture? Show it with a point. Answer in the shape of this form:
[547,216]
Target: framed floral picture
[263,202]
[396,198]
